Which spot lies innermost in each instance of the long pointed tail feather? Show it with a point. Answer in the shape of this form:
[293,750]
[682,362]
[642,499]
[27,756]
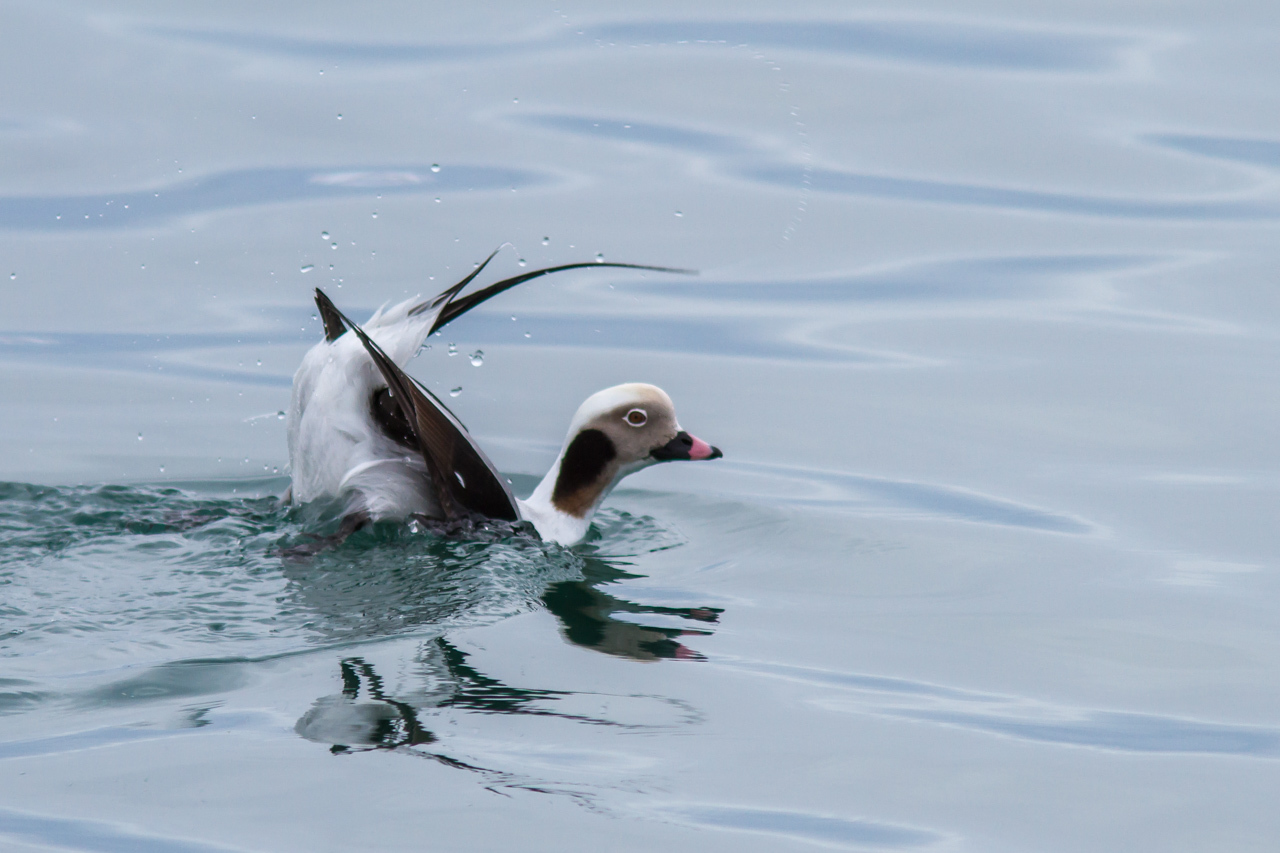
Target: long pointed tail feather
[448,293]
[458,306]
[455,306]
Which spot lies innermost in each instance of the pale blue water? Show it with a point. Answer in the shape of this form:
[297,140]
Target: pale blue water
[986,325]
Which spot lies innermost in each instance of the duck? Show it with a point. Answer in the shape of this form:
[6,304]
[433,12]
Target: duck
[362,431]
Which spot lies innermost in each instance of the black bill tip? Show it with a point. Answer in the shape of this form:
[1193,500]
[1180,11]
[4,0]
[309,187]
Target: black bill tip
[685,446]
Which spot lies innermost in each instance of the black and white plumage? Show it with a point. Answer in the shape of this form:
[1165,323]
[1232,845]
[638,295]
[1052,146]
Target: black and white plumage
[363,430]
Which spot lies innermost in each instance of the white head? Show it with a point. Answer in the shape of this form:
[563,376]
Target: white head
[616,432]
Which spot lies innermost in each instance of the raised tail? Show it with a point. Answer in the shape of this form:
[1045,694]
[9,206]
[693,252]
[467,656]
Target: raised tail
[449,306]
[456,306]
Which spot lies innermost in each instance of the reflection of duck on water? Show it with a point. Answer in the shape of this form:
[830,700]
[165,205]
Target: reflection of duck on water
[372,588]
[586,619]
[363,591]
[348,723]
[365,717]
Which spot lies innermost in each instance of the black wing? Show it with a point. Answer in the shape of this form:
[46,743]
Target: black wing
[464,480]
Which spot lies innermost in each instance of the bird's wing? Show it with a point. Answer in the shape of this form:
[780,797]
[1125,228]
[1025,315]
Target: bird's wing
[464,480]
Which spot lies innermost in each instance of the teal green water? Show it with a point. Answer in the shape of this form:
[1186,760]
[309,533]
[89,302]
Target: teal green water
[175,569]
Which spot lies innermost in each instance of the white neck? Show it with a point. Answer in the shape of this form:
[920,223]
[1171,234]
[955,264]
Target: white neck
[554,524]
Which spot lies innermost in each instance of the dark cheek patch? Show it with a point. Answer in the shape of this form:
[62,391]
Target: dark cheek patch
[584,462]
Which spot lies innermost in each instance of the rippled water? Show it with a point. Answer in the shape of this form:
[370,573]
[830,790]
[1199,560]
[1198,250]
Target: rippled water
[985,324]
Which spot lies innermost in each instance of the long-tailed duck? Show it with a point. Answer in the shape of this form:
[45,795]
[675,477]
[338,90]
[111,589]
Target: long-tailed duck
[363,430]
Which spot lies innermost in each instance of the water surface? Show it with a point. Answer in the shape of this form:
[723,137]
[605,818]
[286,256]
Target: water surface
[985,323]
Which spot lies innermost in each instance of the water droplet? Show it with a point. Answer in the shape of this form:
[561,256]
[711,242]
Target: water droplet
[321,72]
[437,199]
[435,167]
[513,318]
[139,436]
[375,214]
[678,213]
[599,258]
[453,349]
[515,100]
[339,116]
[259,362]
[333,246]
[477,358]
[330,266]
[546,241]
[144,266]
[307,268]
[161,469]
[14,275]
[324,235]
[453,392]
[521,262]
[527,335]
[279,416]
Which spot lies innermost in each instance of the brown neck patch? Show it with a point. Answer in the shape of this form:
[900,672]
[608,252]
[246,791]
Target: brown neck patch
[581,471]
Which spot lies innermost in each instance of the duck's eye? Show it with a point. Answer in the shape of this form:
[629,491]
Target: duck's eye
[637,417]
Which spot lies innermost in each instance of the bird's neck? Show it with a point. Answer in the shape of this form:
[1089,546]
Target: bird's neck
[553,523]
[569,523]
